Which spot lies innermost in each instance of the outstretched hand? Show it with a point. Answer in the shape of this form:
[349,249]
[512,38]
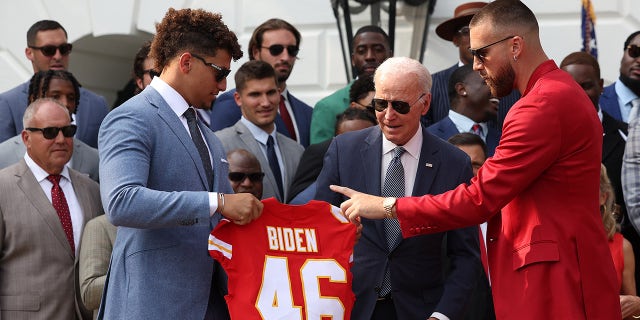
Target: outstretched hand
[359,204]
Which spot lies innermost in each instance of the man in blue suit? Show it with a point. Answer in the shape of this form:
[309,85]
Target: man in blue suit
[395,278]
[472,106]
[47,48]
[164,179]
[618,98]
[276,42]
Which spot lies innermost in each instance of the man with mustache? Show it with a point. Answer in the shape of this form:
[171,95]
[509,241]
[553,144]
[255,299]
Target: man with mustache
[277,43]
[539,192]
[370,49]
[618,98]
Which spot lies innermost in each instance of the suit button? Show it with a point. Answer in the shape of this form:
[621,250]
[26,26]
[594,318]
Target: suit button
[492,239]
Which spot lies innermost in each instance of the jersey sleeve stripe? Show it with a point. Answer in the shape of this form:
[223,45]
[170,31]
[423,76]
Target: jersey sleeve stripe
[216,244]
[338,214]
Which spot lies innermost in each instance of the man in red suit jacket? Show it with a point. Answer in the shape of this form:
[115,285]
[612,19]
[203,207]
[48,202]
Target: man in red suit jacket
[547,248]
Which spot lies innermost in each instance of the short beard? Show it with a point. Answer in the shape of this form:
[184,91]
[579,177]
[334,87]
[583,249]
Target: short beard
[632,84]
[502,84]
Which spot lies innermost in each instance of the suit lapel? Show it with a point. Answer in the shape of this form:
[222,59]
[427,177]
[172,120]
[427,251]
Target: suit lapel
[80,189]
[175,125]
[32,191]
[371,160]
[428,165]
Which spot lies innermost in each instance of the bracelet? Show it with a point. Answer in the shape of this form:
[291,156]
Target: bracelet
[220,202]
[635,317]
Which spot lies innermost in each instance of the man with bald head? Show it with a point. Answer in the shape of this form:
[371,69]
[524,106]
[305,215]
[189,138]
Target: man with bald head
[395,278]
[245,174]
[546,248]
[44,206]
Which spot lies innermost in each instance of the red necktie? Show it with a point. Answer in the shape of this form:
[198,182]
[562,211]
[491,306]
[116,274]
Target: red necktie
[476,129]
[284,114]
[62,208]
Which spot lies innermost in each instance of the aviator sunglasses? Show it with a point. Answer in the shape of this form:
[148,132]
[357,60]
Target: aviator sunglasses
[52,132]
[240,176]
[50,50]
[221,73]
[277,49]
[481,53]
[633,51]
[400,107]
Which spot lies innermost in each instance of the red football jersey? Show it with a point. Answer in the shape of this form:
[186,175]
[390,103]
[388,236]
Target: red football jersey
[293,262]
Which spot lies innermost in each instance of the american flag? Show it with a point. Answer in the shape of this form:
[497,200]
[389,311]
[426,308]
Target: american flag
[589,43]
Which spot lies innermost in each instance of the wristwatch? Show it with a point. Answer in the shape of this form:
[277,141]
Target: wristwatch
[388,204]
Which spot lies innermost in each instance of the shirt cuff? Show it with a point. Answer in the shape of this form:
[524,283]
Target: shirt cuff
[439,316]
[213,203]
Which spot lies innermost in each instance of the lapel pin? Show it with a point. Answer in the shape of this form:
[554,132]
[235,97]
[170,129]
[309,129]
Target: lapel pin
[428,164]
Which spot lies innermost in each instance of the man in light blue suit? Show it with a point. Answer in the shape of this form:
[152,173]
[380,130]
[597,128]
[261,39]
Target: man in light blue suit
[472,107]
[47,48]
[277,43]
[618,98]
[403,279]
[164,179]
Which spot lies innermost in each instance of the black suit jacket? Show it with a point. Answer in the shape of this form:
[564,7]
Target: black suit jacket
[418,285]
[309,168]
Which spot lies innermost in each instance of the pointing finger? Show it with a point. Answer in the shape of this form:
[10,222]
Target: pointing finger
[343,190]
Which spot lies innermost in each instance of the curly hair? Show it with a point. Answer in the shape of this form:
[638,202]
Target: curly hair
[193,30]
[138,61]
[39,84]
[361,88]
[606,210]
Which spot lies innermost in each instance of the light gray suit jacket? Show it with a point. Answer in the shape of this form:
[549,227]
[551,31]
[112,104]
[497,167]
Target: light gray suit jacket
[239,137]
[84,158]
[154,188]
[38,273]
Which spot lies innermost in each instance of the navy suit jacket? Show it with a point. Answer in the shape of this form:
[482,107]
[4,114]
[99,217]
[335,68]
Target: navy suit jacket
[609,102]
[439,108]
[225,113]
[155,189]
[445,128]
[354,160]
[91,110]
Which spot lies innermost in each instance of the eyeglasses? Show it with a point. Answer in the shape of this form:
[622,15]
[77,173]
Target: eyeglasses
[50,51]
[277,49]
[240,176]
[633,51]
[481,53]
[152,73]
[221,73]
[52,132]
[397,105]
[464,30]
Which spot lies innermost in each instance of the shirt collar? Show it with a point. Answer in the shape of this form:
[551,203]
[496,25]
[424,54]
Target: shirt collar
[412,146]
[464,123]
[257,132]
[624,93]
[39,173]
[176,102]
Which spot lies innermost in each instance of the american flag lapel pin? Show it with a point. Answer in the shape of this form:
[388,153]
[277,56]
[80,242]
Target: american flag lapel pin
[428,165]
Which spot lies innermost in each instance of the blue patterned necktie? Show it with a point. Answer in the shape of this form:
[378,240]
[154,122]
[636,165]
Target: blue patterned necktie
[196,136]
[393,187]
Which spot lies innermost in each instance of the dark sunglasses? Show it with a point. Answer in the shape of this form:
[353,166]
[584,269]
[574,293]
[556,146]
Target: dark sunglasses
[277,49]
[464,30]
[221,73]
[152,73]
[240,176]
[397,105]
[50,51]
[52,132]
[633,51]
[481,53]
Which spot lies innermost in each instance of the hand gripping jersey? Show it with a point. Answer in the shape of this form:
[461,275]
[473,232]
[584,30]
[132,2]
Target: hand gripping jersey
[293,262]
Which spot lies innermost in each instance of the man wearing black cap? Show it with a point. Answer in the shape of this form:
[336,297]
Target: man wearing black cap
[456,30]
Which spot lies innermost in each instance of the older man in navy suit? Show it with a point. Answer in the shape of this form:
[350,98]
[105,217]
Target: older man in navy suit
[164,179]
[276,42]
[395,278]
[47,48]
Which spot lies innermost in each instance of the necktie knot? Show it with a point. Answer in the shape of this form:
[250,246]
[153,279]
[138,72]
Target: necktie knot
[190,115]
[476,129]
[270,141]
[55,179]
[397,152]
